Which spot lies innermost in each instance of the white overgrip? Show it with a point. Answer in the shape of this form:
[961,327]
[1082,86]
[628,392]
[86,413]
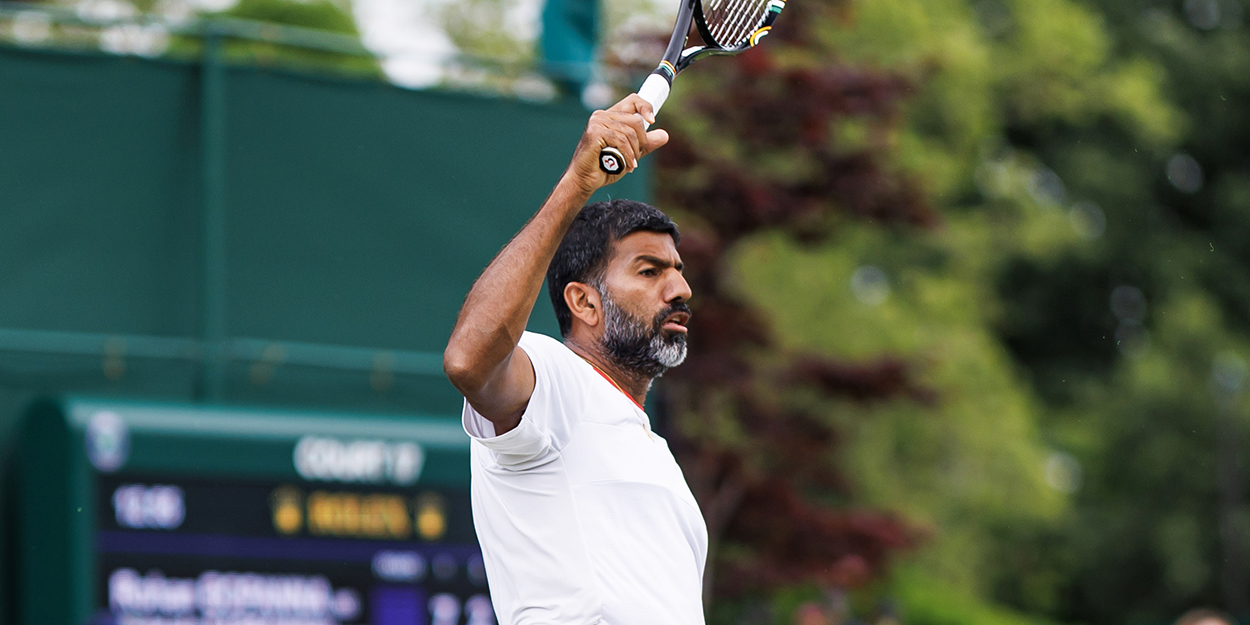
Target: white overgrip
[654,90]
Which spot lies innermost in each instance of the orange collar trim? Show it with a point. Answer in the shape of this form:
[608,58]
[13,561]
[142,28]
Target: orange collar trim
[615,385]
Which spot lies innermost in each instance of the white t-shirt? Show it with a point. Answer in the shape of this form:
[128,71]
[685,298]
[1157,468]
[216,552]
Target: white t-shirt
[582,513]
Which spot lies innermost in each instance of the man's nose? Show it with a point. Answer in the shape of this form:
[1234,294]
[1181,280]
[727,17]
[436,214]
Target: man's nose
[679,289]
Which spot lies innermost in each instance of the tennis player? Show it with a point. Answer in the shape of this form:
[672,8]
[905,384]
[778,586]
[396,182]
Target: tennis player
[583,515]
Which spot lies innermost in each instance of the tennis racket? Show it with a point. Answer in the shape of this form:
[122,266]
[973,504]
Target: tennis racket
[726,27]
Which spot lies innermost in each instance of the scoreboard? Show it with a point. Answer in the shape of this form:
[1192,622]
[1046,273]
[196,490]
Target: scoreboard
[158,514]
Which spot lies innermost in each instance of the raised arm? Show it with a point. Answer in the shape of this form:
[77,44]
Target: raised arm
[482,359]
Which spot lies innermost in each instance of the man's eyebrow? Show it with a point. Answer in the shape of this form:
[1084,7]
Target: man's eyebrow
[659,262]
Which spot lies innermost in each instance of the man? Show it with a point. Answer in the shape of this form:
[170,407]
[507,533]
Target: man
[583,515]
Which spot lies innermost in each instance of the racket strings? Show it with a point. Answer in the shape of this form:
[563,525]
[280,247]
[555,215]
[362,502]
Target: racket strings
[720,20]
[731,22]
[733,29]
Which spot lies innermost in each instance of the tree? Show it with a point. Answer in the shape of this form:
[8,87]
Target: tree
[1138,345]
[872,141]
[315,15]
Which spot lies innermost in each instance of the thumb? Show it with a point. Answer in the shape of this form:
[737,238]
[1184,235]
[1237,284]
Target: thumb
[656,138]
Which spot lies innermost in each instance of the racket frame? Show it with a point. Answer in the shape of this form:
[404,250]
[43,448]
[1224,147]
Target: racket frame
[677,57]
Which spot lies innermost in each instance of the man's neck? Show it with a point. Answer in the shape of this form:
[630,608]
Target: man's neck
[634,384]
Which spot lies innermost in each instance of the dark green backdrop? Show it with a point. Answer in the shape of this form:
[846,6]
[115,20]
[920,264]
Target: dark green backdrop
[357,216]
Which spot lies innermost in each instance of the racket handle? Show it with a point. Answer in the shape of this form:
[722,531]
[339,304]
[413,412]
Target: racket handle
[655,91]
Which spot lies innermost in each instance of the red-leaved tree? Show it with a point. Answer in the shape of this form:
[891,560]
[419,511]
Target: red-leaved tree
[762,465]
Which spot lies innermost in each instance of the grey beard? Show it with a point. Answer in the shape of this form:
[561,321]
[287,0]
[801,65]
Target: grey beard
[636,347]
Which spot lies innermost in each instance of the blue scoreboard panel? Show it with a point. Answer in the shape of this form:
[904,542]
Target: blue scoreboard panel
[157,514]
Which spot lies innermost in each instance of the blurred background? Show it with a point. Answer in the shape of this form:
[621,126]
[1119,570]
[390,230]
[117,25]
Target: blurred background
[972,299]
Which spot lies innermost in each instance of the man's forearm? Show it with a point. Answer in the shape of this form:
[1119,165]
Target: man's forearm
[498,306]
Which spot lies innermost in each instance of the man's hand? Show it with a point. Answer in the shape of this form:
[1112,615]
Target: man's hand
[624,127]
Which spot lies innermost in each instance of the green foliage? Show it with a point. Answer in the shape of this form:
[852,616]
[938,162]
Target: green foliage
[323,15]
[925,601]
[1150,442]
[486,29]
[315,15]
[972,469]
[1141,406]
[1004,313]
[318,14]
[973,464]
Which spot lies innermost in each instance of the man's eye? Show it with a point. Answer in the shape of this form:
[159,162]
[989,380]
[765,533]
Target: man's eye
[649,272]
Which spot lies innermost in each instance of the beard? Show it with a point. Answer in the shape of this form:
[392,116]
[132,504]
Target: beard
[639,346]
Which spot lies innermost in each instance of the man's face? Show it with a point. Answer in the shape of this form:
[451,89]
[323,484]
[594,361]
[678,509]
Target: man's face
[644,304]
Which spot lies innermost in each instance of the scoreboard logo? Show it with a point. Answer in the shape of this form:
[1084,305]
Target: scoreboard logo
[319,458]
[107,440]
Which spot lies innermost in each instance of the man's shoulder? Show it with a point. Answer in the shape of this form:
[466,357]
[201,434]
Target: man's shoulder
[554,356]
[533,342]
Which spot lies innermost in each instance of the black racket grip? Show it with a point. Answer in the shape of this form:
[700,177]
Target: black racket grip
[611,161]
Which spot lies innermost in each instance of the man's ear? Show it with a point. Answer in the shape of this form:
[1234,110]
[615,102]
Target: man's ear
[583,302]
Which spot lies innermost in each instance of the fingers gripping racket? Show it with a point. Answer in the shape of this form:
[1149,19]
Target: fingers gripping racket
[726,27]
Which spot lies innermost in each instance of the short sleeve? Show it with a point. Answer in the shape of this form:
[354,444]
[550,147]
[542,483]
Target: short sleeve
[552,414]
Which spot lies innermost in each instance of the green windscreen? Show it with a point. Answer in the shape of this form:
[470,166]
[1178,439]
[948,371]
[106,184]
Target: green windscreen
[357,215]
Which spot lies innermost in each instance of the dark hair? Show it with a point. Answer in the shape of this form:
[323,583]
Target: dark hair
[583,254]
